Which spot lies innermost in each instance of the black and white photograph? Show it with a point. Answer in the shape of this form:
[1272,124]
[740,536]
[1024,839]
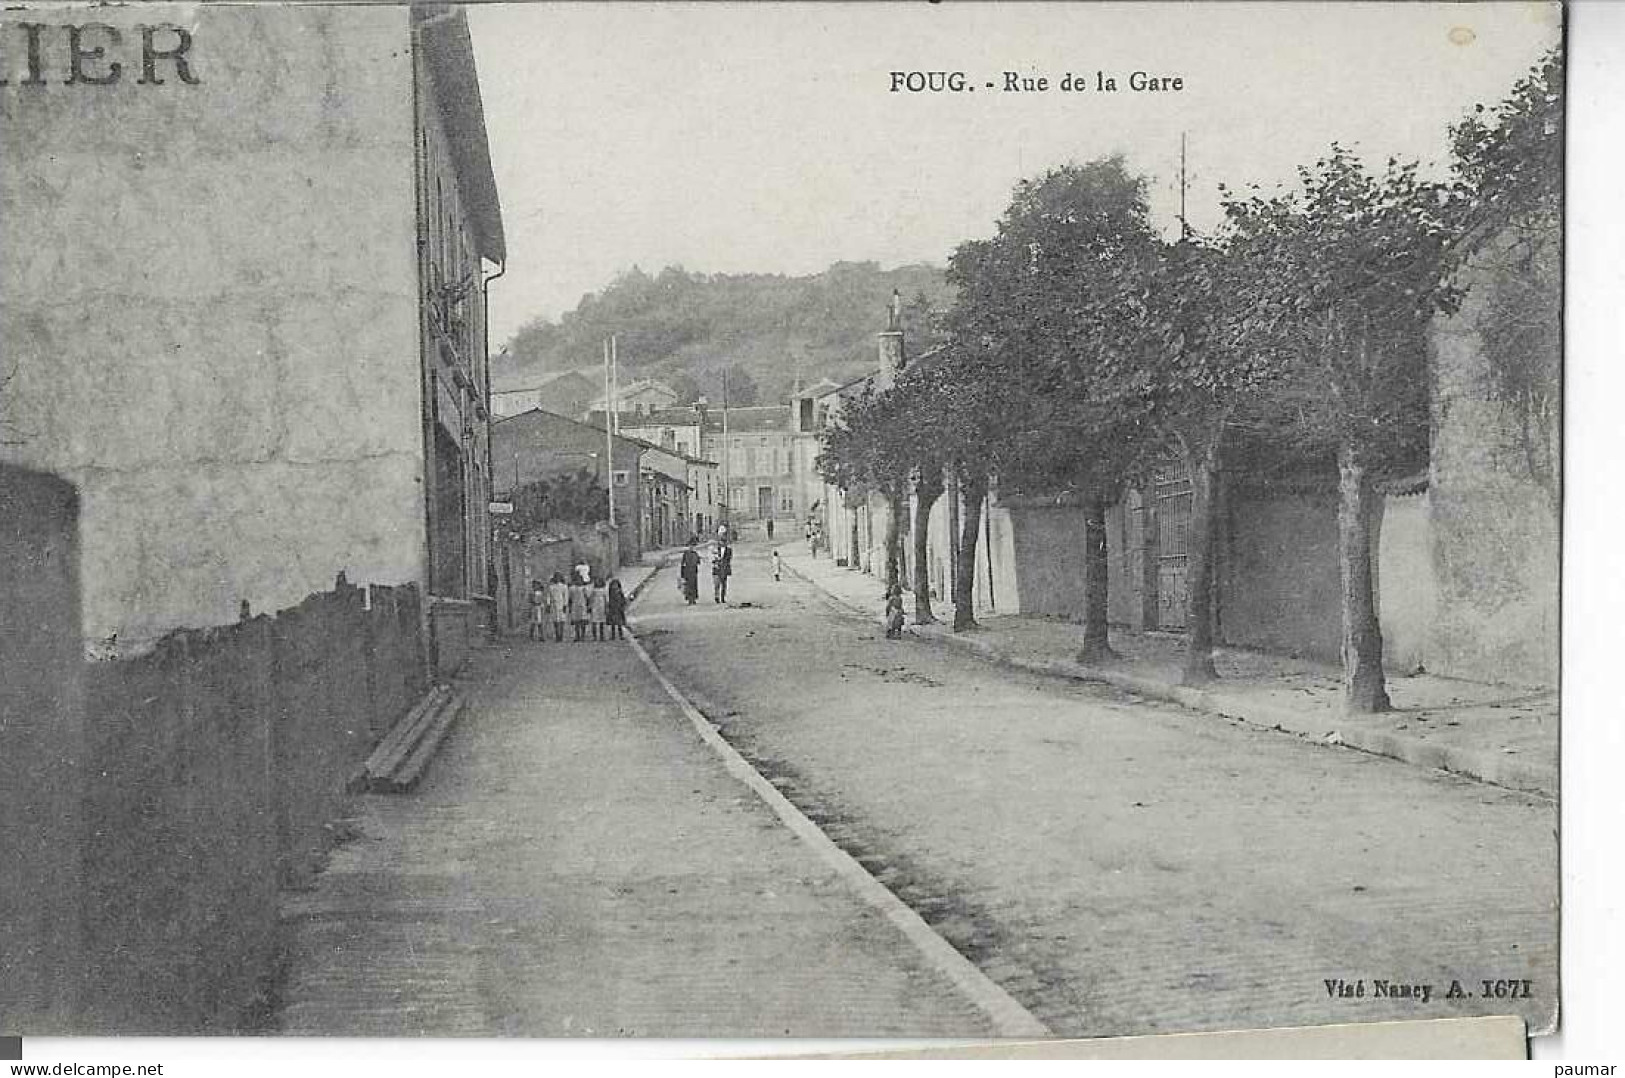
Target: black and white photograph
[786,520]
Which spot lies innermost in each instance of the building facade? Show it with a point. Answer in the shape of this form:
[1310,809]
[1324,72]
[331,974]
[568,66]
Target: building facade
[244,370]
[265,363]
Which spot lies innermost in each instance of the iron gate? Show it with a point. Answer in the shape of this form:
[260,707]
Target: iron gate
[1173,499]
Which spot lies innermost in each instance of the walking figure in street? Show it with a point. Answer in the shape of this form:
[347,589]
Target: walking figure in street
[615,610]
[722,565]
[578,609]
[597,608]
[770,529]
[558,605]
[894,612]
[778,564]
[688,575]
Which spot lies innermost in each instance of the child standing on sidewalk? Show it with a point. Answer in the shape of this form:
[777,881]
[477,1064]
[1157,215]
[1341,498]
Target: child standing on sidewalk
[578,609]
[615,614]
[558,604]
[597,601]
[778,563]
[538,610]
[894,612]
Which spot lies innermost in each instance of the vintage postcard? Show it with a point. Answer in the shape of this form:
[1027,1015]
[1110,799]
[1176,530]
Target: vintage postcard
[779,520]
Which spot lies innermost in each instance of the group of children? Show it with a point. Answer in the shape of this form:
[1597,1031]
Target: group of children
[584,601]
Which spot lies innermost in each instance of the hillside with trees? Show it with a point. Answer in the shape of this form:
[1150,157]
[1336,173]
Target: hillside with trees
[765,329]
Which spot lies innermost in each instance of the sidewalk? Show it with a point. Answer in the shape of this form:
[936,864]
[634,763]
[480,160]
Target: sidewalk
[1493,733]
[579,863]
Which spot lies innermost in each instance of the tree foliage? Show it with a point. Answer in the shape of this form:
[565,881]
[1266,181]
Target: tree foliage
[1509,190]
[575,497]
[769,326]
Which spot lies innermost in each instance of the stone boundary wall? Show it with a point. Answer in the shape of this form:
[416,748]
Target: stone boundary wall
[215,767]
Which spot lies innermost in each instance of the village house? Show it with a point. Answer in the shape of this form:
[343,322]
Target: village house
[764,458]
[567,393]
[640,397]
[245,373]
[538,445]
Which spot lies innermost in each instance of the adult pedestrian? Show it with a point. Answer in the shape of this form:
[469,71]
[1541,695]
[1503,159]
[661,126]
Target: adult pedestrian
[722,566]
[615,610]
[770,529]
[688,575]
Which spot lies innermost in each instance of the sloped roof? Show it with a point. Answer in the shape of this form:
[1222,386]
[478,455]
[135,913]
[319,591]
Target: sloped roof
[762,418]
[448,51]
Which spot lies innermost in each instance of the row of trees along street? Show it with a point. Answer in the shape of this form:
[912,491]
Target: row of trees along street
[1083,349]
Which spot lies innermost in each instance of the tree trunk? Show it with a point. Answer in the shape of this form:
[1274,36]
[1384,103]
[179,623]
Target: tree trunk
[927,489]
[1201,544]
[852,560]
[1096,583]
[975,490]
[896,517]
[1364,684]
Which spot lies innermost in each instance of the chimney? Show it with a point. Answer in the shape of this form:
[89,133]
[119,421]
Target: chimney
[891,344]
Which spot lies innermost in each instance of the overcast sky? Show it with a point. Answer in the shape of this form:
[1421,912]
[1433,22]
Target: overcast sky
[735,138]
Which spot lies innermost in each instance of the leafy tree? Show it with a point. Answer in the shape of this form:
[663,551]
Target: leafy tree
[862,452]
[1509,195]
[1179,357]
[576,497]
[888,442]
[1343,276]
[738,388]
[1037,307]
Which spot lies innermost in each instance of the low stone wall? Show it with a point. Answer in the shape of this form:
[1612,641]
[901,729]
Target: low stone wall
[215,766]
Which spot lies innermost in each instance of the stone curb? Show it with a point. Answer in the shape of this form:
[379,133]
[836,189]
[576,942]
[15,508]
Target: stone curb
[1007,1017]
[1474,764]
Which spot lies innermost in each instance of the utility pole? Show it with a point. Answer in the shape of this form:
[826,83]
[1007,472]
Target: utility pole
[615,382]
[727,491]
[1184,226]
[609,437]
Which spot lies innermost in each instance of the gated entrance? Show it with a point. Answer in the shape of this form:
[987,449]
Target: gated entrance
[1173,508]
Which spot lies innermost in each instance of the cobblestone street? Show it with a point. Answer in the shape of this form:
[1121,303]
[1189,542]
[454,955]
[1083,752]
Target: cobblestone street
[1119,865]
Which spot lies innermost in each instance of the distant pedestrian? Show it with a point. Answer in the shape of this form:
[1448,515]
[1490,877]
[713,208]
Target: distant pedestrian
[615,612]
[558,604]
[894,612]
[578,609]
[538,610]
[722,566]
[778,564]
[597,603]
[688,575]
[770,529]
